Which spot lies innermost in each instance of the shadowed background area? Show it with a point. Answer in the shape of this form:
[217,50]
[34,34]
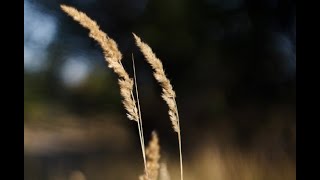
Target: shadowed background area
[232,64]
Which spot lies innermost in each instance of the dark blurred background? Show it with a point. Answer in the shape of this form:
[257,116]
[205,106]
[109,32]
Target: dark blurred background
[232,64]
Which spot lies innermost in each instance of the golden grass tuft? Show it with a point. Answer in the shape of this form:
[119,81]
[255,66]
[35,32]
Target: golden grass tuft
[153,157]
[163,172]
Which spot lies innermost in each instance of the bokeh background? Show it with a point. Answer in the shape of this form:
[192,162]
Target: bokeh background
[232,64]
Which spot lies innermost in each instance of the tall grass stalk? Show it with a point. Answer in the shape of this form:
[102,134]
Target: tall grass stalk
[168,94]
[113,56]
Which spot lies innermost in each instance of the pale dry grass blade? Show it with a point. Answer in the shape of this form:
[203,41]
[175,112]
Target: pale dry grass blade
[168,93]
[153,157]
[139,112]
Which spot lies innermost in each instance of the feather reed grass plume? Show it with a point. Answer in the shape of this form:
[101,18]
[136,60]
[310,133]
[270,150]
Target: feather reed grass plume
[168,93]
[167,90]
[153,156]
[113,56]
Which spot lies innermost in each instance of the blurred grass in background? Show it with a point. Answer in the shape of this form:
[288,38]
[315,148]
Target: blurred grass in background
[232,64]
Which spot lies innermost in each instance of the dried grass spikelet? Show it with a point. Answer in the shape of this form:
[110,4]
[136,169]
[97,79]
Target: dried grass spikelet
[112,55]
[163,172]
[168,93]
[153,156]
